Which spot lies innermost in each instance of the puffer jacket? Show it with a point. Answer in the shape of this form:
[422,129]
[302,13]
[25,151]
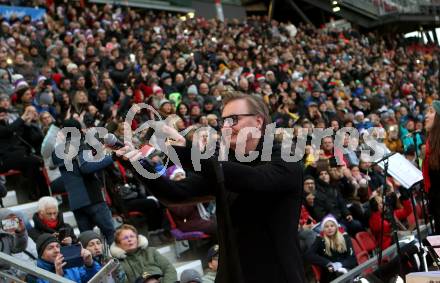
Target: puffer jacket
[144,259]
[77,274]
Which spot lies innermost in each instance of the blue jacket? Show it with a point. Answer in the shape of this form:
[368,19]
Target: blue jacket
[82,186]
[408,140]
[78,274]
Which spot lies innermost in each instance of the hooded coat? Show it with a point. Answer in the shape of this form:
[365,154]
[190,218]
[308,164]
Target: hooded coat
[144,259]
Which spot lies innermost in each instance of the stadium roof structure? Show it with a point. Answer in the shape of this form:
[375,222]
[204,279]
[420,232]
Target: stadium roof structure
[374,13]
[181,6]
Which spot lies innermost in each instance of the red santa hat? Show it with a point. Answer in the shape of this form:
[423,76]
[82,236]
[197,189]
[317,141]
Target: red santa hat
[249,76]
[157,89]
[260,77]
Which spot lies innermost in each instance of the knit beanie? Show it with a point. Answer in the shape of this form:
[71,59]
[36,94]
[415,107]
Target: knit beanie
[193,89]
[436,106]
[86,236]
[45,99]
[328,218]
[43,241]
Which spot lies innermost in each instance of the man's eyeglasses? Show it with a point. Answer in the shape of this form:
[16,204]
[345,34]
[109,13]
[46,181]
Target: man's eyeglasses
[232,120]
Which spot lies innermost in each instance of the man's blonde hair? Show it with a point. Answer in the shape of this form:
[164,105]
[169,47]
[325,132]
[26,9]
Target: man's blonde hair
[255,104]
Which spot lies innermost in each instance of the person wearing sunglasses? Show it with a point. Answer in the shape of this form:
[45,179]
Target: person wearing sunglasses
[258,202]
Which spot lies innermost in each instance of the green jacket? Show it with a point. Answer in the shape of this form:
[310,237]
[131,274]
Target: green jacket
[144,259]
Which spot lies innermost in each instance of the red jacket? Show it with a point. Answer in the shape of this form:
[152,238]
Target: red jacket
[305,215]
[376,222]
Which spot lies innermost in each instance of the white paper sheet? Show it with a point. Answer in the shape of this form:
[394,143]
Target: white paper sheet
[403,170]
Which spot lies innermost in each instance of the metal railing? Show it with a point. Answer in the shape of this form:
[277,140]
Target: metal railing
[31,268]
[102,276]
[358,270]
[390,252]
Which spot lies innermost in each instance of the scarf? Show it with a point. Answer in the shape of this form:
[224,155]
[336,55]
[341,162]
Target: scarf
[52,224]
[425,168]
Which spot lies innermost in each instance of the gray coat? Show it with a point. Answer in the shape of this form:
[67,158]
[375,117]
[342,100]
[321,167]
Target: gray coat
[11,244]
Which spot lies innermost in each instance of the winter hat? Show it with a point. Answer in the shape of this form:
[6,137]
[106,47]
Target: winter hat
[176,171]
[190,275]
[157,89]
[175,98]
[249,76]
[212,252]
[329,218]
[260,77]
[41,78]
[43,241]
[193,89]
[16,77]
[21,85]
[86,236]
[436,106]
[163,101]
[45,99]
[165,76]
[146,276]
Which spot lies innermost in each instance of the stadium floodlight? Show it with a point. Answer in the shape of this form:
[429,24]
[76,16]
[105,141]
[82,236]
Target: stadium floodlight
[336,9]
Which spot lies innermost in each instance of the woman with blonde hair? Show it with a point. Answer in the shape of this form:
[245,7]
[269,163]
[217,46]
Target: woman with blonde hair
[332,251]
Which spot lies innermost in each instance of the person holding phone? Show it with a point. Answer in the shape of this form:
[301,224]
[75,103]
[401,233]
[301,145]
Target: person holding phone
[48,220]
[51,258]
[13,235]
[92,241]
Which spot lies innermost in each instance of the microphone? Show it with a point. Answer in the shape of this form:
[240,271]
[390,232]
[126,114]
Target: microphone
[113,142]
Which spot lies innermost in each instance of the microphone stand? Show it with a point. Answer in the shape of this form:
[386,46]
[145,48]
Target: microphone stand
[422,253]
[385,160]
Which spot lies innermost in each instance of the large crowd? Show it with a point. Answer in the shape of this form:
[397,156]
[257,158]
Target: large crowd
[85,67]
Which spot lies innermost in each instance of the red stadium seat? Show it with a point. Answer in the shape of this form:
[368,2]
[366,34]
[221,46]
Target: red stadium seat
[362,257]
[356,247]
[366,241]
[180,235]
[317,271]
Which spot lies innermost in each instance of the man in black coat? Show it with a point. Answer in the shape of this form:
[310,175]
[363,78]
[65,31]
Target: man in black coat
[15,150]
[258,202]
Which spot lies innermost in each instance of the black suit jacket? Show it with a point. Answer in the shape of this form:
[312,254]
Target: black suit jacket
[258,207]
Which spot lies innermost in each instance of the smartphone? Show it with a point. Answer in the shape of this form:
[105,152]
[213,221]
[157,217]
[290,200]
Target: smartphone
[72,255]
[10,223]
[132,58]
[62,234]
